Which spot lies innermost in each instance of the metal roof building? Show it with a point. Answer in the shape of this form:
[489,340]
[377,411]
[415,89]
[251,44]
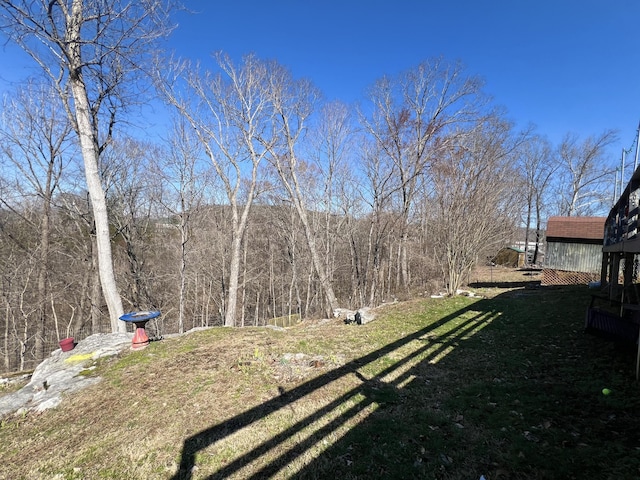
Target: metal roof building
[574,250]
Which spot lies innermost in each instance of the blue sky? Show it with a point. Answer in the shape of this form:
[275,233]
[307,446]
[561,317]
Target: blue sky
[564,65]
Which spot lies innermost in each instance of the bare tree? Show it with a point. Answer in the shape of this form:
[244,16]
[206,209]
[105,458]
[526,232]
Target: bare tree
[130,199]
[293,102]
[378,192]
[585,174]
[78,228]
[538,165]
[233,121]
[90,50]
[331,145]
[411,114]
[18,265]
[35,146]
[184,178]
[475,189]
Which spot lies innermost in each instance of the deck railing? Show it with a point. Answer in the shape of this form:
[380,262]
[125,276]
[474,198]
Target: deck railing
[621,227]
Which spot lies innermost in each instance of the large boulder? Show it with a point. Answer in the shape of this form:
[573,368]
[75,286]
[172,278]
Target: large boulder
[60,373]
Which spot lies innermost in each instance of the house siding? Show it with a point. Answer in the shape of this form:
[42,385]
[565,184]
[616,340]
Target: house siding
[574,257]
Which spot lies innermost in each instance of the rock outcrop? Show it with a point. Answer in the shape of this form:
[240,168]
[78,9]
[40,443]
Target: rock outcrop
[61,373]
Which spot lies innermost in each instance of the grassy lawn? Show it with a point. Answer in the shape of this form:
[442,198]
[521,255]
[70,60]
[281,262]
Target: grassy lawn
[507,386]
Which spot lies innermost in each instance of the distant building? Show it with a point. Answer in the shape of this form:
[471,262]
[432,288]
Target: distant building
[510,257]
[574,250]
[530,250]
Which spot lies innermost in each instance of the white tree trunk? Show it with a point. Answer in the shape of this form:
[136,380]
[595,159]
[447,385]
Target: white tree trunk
[98,204]
[183,269]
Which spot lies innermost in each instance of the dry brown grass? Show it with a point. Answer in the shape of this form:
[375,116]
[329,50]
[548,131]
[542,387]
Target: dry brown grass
[434,388]
[150,401]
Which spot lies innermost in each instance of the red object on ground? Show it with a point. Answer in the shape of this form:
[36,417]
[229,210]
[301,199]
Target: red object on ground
[67,344]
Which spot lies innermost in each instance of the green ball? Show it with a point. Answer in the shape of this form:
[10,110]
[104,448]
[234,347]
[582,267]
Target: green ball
[606,391]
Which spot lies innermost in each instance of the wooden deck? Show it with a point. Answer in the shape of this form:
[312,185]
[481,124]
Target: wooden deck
[620,264]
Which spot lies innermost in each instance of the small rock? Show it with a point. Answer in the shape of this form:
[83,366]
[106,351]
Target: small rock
[47,404]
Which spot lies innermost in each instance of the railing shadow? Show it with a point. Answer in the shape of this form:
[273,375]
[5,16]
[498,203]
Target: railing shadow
[502,284]
[370,390]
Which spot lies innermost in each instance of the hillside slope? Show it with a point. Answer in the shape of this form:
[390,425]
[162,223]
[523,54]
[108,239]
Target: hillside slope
[507,386]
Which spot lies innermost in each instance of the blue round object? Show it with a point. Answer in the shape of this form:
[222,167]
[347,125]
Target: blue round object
[140,316]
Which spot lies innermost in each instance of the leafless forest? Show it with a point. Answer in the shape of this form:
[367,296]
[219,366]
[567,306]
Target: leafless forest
[259,199]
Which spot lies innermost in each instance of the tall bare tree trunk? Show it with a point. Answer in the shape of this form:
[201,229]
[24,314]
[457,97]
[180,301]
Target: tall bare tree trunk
[243,296]
[183,279]
[527,230]
[234,273]
[257,317]
[43,271]
[325,281]
[89,147]
[7,357]
[536,250]
[96,296]
[98,204]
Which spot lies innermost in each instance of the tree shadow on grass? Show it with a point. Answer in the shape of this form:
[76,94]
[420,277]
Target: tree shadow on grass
[408,420]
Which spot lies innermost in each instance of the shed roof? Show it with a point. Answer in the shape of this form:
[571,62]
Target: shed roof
[587,228]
